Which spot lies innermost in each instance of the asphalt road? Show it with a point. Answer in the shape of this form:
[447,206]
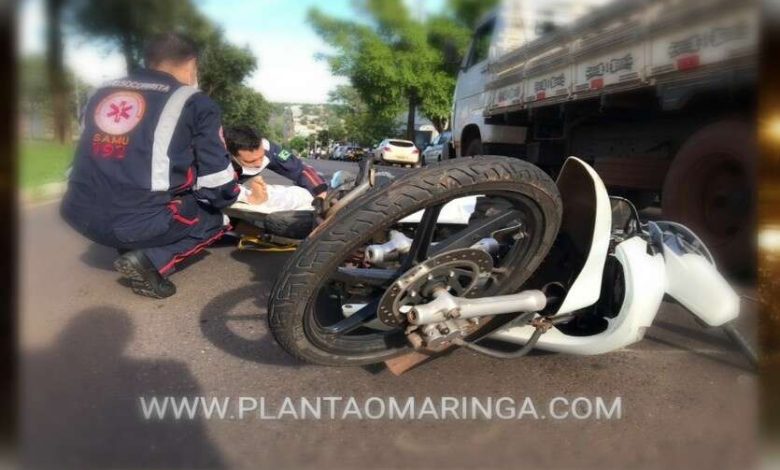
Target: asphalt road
[91,348]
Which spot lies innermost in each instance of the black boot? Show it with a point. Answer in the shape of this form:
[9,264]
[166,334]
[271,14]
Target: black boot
[144,278]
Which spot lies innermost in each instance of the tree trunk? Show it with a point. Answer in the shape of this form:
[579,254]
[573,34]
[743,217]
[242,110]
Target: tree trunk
[439,123]
[410,117]
[55,67]
[127,50]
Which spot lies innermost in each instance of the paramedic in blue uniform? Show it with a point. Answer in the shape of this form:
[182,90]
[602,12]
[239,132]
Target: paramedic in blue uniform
[253,153]
[151,171]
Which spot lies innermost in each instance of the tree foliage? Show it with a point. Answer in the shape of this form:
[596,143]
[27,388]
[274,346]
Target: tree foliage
[298,144]
[469,12]
[35,96]
[361,124]
[395,62]
[127,24]
[223,68]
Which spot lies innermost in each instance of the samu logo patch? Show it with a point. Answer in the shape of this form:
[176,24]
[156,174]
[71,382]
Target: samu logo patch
[119,113]
[284,155]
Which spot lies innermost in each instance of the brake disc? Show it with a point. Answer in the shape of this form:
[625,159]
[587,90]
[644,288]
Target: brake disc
[463,272]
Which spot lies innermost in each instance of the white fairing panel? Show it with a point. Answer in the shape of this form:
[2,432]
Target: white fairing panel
[644,292]
[592,213]
[698,286]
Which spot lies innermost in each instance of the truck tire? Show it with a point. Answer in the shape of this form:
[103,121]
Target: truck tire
[292,309]
[474,148]
[710,186]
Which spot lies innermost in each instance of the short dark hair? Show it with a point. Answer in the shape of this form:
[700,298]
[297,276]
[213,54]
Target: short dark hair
[173,47]
[242,138]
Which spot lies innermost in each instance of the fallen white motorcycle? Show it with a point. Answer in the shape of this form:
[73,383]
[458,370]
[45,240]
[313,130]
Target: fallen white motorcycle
[488,248]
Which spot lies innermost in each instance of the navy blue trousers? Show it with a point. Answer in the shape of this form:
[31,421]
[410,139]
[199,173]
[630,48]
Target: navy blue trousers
[184,229]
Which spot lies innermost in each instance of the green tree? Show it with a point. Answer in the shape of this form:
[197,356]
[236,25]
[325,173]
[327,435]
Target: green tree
[361,125]
[223,69]
[334,130]
[396,62]
[128,24]
[298,144]
[469,12]
[388,61]
[59,86]
[35,97]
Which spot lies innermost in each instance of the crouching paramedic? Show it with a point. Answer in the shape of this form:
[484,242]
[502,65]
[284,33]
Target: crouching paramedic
[151,171]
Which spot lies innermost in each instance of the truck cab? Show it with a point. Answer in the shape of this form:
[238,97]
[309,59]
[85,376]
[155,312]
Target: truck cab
[470,97]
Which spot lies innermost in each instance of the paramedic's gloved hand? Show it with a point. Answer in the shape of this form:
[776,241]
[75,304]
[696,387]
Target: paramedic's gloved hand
[259,191]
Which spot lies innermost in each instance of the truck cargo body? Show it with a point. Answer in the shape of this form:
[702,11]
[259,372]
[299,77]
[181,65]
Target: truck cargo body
[644,90]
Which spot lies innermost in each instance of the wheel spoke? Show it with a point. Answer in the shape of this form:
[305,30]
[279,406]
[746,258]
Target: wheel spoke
[368,276]
[476,231]
[458,288]
[354,321]
[423,234]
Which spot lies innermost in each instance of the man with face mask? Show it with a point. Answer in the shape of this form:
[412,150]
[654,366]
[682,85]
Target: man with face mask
[252,154]
[151,171]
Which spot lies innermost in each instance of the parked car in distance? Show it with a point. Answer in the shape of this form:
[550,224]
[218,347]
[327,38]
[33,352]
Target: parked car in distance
[398,152]
[338,152]
[352,153]
[436,150]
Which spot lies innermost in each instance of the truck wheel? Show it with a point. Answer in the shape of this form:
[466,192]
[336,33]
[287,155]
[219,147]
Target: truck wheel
[474,148]
[709,187]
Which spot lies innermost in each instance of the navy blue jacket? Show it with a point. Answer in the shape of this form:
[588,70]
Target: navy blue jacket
[147,140]
[288,165]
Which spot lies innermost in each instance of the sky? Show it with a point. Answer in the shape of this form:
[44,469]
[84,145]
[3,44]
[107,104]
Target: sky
[275,30]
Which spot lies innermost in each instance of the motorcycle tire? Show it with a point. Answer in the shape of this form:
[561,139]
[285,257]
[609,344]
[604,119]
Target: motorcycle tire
[291,303]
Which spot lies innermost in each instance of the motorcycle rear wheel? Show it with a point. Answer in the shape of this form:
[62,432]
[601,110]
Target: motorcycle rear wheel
[299,311]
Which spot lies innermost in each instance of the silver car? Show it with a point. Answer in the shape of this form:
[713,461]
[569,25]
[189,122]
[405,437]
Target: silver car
[436,151]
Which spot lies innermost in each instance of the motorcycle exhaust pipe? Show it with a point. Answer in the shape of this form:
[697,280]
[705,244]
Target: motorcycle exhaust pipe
[445,306]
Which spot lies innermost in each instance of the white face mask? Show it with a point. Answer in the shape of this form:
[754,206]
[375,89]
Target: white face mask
[254,170]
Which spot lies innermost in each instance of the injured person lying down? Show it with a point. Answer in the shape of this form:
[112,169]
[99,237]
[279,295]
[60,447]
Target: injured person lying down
[287,209]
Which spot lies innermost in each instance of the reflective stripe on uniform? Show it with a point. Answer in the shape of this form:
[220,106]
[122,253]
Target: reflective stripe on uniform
[215,180]
[163,133]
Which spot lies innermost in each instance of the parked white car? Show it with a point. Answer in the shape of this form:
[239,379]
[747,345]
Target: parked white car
[397,151]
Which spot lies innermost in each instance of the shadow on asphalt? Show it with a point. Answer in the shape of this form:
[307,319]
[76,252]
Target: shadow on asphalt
[99,257]
[81,402]
[236,321]
[701,335]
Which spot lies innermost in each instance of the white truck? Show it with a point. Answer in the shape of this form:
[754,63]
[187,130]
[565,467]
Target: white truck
[658,95]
